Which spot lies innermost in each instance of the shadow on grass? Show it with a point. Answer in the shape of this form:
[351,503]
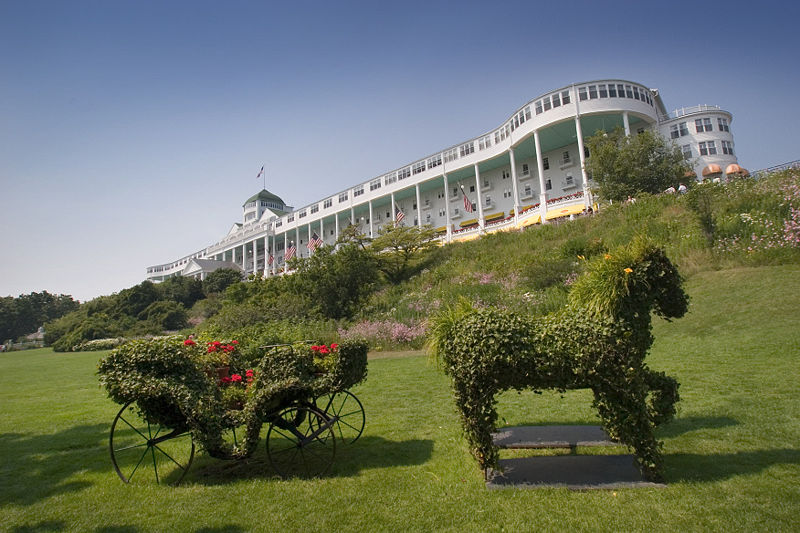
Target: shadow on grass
[367,453]
[693,467]
[41,527]
[38,466]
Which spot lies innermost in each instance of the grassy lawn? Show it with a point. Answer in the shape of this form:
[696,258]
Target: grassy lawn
[732,455]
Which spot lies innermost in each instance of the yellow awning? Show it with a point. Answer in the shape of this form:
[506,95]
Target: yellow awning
[494,216]
[530,221]
[441,229]
[469,223]
[565,211]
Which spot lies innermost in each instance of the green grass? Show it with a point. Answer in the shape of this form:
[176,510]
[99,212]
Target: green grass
[732,455]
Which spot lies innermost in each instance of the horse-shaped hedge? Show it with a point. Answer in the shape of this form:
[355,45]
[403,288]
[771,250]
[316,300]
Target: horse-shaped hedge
[599,340]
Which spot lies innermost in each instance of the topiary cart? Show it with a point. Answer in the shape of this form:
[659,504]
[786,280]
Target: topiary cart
[172,401]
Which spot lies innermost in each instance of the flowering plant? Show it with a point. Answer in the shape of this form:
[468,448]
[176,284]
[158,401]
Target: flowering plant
[325,357]
[234,389]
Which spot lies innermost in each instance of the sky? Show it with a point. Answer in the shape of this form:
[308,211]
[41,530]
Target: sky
[131,132]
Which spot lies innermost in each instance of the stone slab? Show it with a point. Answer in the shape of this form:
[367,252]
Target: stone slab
[551,437]
[575,472]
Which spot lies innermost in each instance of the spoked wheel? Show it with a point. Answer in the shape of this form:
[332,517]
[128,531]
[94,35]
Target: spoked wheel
[349,413]
[145,452]
[301,442]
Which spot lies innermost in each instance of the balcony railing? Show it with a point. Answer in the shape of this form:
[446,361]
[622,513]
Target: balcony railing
[683,111]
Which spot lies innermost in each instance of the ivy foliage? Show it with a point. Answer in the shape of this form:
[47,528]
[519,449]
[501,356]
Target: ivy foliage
[173,385]
[599,340]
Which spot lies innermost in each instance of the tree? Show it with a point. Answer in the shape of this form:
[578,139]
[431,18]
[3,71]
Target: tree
[401,250]
[182,289]
[220,279]
[335,282]
[26,313]
[624,166]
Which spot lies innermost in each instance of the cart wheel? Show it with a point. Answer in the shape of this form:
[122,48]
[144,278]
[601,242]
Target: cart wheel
[348,408]
[301,442]
[148,451]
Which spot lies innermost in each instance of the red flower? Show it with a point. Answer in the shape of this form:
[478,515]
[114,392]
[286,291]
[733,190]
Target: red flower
[249,373]
[227,379]
[334,346]
[212,349]
[236,378]
[315,348]
[234,342]
[189,342]
[324,350]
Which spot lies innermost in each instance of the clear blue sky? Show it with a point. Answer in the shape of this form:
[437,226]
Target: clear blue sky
[131,132]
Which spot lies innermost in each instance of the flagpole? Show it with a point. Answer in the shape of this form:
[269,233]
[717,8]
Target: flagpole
[264,166]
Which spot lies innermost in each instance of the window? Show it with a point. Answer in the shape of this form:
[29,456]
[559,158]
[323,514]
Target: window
[640,131]
[538,107]
[374,184]
[683,128]
[593,91]
[506,193]
[528,191]
[723,124]
[466,149]
[358,191]
[556,100]
[451,154]
[435,161]
[315,208]
[390,178]
[727,147]
[602,90]
[342,197]
[565,158]
[506,174]
[484,142]
[403,173]
[548,185]
[628,91]
[546,163]
[278,223]
[302,214]
[582,93]
[485,183]
[703,124]
[673,131]
[636,92]
[428,218]
[419,167]
[708,148]
[525,169]
[687,151]
[441,212]
[471,188]
[546,103]
[564,97]
[440,195]
[290,218]
[612,90]
[488,201]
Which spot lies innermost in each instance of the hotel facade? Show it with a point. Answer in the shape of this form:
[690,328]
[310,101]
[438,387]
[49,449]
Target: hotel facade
[528,170]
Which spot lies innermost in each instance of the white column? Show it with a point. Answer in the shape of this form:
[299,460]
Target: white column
[579,132]
[285,247]
[394,214]
[297,241]
[481,218]
[514,184]
[626,123]
[321,230]
[336,217]
[419,207]
[371,220]
[540,168]
[244,256]
[352,215]
[255,256]
[446,209]
[309,239]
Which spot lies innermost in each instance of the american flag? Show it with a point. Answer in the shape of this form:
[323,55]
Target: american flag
[399,215]
[260,172]
[289,252]
[315,242]
[467,203]
[270,260]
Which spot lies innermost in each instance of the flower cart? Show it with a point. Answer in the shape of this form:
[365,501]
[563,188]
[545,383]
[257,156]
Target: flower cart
[174,396]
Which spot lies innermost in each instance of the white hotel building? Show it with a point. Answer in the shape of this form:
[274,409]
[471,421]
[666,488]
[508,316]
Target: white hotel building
[527,170]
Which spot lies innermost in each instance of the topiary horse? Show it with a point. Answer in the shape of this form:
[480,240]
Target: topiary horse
[599,340]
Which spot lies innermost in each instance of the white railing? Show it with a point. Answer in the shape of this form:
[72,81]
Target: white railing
[683,111]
